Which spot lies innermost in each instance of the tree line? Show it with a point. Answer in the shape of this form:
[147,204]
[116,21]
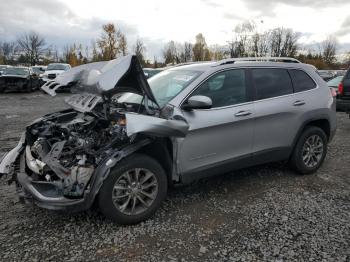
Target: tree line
[246,41]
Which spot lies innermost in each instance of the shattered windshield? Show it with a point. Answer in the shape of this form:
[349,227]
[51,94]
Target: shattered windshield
[165,86]
[16,71]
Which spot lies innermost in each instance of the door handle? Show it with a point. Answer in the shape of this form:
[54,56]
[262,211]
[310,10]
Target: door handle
[299,103]
[243,113]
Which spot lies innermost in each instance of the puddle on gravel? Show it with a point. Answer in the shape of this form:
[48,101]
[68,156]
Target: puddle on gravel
[11,116]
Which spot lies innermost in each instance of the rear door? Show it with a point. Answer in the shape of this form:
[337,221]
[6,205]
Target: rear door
[219,136]
[276,120]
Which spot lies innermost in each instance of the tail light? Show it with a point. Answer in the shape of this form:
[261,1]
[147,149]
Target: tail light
[340,88]
[333,92]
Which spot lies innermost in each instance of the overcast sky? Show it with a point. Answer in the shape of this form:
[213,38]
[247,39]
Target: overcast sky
[158,21]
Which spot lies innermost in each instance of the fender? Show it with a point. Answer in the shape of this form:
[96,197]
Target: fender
[104,168]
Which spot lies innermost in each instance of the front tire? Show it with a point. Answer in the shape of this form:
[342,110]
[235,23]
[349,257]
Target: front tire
[134,190]
[310,151]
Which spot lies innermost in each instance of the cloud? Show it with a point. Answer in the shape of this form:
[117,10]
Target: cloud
[211,3]
[231,16]
[266,7]
[344,28]
[56,22]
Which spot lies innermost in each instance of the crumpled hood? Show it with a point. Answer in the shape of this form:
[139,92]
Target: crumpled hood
[104,78]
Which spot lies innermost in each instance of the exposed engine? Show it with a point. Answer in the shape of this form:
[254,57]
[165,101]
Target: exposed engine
[66,149]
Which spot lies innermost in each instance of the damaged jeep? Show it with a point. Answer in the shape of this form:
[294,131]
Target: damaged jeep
[124,140]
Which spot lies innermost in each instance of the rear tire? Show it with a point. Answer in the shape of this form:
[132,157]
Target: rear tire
[310,151]
[134,190]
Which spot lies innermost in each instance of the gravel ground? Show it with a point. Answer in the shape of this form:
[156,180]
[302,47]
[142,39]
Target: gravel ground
[266,213]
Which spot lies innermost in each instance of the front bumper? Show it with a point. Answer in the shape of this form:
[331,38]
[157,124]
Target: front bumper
[47,194]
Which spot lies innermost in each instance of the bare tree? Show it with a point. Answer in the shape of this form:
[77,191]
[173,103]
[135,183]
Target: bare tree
[188,53]
[170,53]
[7,51]
[329,49]
[283,42]
[155,62]
[139,50]
[33,46]
[122,44]
[243,32]
[260,44]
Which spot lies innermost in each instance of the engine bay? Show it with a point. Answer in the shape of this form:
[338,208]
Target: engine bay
[65,148]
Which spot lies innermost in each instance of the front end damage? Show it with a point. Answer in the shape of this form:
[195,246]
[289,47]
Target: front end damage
[16,83]
[62,159]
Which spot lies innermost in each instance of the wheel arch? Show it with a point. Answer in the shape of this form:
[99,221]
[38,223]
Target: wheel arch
[161,149]
[322,122]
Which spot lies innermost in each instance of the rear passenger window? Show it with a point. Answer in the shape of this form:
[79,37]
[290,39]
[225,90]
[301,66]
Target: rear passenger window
[271,82]
[301,81]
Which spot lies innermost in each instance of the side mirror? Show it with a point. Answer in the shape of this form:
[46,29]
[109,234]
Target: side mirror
[198,102]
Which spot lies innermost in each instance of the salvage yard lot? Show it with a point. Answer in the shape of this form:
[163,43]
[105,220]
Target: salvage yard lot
[262,213]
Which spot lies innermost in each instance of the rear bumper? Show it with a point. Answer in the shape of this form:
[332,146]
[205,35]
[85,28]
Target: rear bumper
[343,105]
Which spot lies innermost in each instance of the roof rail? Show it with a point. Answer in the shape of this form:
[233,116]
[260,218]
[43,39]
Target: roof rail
[189,63]
[258,59]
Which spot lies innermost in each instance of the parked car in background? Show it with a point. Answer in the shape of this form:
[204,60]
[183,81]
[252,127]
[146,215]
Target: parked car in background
[326,74]
[343,97]
[18,79]
[38,69]
[52,71]
[149,72]
[3,67]
[185,123]
[334,82]
[339,72]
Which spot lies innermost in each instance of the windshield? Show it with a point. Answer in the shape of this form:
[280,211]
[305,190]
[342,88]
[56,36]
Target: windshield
[335,81]
[16,71]
[38,70]
[3,67]
[57,67]
[165,86]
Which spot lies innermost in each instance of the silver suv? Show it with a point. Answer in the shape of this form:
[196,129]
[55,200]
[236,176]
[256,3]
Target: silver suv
[125,140]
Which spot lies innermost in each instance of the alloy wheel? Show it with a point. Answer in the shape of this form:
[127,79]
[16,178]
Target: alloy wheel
[313,151]
[135,191]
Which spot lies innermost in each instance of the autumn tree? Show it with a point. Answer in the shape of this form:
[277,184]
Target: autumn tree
[200,49]
[217,53]
[74,55]
[33,46]
[139,50]
[108,42]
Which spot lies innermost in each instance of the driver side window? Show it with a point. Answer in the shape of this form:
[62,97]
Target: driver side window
[225,88]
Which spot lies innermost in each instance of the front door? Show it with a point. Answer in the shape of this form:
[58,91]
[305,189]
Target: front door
[221,137]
